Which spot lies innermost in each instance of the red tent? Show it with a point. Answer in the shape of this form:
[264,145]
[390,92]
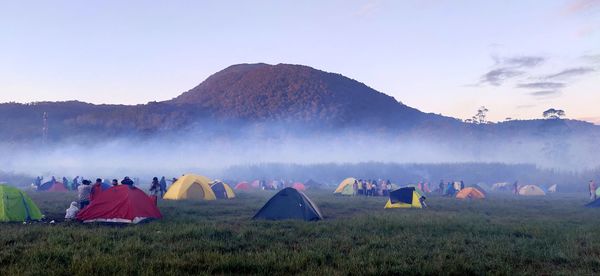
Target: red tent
[299,186]
[57,187]
[242,186]
[120,204]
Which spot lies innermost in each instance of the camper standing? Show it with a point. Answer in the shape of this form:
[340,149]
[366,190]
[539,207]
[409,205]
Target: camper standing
[592,187]
[83,194]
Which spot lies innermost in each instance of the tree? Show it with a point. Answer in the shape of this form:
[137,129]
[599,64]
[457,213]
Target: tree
[554,114]
[479,118]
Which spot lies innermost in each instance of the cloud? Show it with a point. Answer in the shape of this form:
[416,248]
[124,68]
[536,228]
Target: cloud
[524,61]
[581,6]
[591,58]
[571,72]
[368,9]
[541,85]
[498,76]
[525,106]
[545,93]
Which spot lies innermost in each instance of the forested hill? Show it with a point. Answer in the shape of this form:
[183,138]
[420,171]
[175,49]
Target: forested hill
[259,94]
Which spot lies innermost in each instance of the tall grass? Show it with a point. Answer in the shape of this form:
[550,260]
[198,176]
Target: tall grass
[499,235]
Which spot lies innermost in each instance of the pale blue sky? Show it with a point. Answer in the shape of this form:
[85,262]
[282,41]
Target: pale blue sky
[429,54]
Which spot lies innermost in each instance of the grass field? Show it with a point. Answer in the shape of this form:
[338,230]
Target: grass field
[500,235]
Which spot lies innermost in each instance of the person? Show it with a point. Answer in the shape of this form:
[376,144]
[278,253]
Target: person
[38,181]
[462,185]
[163,186]
[127,181]
[173,180]
[592,187]
[388,185]
[83,193]
[420,185]
[360,187]
[374,189]
[369,188]
[355,187]
[450,189]
[422,201]
[96,189]
[516,187]
[76,182]
[441,187]
[72,211]
[384,189]
[115,182]
[426,187]
[155,187]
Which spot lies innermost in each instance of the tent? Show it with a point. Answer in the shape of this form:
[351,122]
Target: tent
[531,190]
[594,204]
[552,189]
[478,187]
[191,186]
[53,187]
[120,204]
[346,187]
[419,192]
[503,186]
[312,184]
[289,203]
[243,186]
[404,198]
[255,184]
[16,206]
[470,193]
[299,186]
[222,190]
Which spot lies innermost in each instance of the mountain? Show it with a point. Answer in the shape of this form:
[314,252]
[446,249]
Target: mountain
[297,93]
[259,94]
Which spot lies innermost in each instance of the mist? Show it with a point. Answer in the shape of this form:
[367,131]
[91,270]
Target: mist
[213,150]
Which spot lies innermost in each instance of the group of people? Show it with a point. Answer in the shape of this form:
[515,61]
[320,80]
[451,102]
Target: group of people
[370,187]
[450,188]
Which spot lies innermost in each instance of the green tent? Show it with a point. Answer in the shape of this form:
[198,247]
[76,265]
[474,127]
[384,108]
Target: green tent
[15,205]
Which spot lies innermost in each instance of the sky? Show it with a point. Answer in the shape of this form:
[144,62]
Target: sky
[517,58]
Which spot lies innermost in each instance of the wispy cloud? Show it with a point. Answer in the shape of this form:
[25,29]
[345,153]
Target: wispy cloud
[525,106]
[545,93]
[497,76]
[571,72]
[541,85]
[591,58]
[369,8]
[508,68]
[581,6]
[524,61]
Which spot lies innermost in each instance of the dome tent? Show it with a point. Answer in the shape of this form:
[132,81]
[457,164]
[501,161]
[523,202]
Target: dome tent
[346,187]
[191,186]
[289,203]
[16,206]
[120,204]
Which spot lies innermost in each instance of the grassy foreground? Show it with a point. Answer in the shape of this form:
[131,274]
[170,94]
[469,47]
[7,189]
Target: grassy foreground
[500,235]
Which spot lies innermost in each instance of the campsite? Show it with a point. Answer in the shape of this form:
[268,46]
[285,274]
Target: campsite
[502,234]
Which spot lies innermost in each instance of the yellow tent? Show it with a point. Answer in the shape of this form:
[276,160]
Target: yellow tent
[191,186]
[346,187]
[531,190]
[222,190]
[407,198]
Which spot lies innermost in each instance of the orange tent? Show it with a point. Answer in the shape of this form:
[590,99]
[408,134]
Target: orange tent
[299,186]
[470,192]
[57,187]
[242,186]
